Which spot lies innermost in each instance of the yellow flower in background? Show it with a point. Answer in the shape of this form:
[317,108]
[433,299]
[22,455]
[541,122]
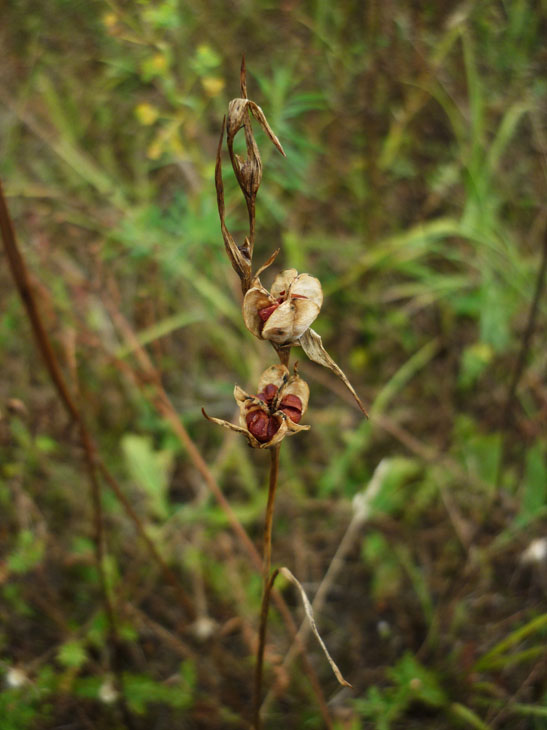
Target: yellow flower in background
[109,20]
[155,149]
[146,113]
[213,85]
[159,62]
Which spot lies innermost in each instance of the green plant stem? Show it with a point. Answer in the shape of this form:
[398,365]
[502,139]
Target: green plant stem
[268,583]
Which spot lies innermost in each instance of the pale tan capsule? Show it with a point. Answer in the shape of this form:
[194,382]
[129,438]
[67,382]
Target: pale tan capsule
[284,314]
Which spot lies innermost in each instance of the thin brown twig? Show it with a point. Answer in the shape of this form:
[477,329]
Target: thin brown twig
[268,585]
[22,282]
[526,342]
[267,566]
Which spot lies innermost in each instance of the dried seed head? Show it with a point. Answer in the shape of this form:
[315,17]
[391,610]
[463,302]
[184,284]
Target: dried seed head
[237,111]
[248,172]
[284,314]
[268,394]
[275,412]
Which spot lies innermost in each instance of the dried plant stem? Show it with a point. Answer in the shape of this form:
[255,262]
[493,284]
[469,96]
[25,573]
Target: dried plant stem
[521,359]
[268,525]
[268,583]
[23,283]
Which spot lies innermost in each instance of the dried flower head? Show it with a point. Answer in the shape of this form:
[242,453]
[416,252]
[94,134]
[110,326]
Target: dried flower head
[284,313]
[275,412]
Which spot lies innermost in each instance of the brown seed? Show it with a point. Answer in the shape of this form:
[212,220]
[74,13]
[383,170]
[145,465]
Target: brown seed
[291,405]
[261,425]
[266,312]
[268,394]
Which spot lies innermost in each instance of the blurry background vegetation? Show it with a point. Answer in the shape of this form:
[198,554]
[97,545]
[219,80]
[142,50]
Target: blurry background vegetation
[414,188]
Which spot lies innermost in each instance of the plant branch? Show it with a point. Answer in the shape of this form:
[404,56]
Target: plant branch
[268,585]
[23,284]
[523,353]
[268,582]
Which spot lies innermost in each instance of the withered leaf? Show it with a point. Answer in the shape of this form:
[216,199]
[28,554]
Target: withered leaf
[286,573]
[258,114]
[240,262]
[312,345]
[266,264]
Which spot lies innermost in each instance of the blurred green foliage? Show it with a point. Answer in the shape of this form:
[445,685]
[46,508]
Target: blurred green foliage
[414,188]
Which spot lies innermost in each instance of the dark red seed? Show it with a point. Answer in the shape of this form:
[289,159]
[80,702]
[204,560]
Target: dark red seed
[293,401]
[266,312]
[291,405]
[261,425]
[273,427]
[293,413]
[268,394]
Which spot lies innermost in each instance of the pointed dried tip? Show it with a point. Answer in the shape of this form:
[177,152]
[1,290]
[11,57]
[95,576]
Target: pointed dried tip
[243,77]
[286,573]
[312,345]
[258,114]
[205,414]
[268,263]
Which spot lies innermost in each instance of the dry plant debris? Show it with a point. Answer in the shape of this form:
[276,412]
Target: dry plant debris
[283,316]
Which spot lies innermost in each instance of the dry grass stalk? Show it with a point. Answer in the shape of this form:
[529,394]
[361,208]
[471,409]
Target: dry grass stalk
[69,401]
[281,315]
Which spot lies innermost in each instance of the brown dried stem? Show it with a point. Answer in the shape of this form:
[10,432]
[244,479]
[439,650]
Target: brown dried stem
[23,284]
[268,586]
[527,337]
[268,583]
[248,172]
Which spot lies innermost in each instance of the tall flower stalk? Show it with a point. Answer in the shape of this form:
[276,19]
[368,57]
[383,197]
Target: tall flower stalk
[282,316]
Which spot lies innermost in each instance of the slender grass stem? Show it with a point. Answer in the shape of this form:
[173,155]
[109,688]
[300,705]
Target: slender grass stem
[22,281]
[268,584]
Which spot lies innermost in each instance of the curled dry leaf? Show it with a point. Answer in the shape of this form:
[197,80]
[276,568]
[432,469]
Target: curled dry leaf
[239,256]
[275,412]
[286,573]
[237,117]
[284,314]
[312,345]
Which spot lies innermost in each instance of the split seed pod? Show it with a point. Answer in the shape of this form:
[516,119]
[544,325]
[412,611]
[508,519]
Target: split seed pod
[248,172]
[283,314]
[275,412]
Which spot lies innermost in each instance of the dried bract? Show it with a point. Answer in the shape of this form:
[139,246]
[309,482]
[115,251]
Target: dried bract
[283,314]
[240,256]
[248,172]
[275,412]
[312,345]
